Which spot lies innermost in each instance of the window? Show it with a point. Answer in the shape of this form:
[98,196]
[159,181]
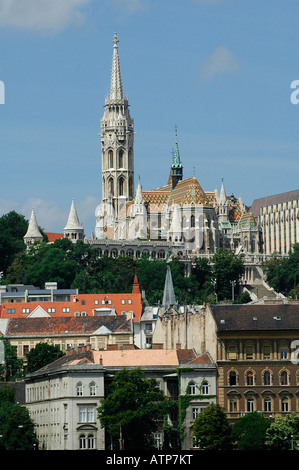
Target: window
[195,413]
[267,352]
[284,404]
[79,389]
[283,351]
[86,414]
[249,352]
[10,310]
[232,378]
[129,301]
[27,310]
[65,309]
[158,440]
[267,378]
[284,378]
[250,405]
[96,302]
[82,302]
[267,404]
[51,310]
[25,349]
[86,443]
[123,301]
[205,388]
[249,378]
[232,352]
[233,405]
[92,388]
[192,388]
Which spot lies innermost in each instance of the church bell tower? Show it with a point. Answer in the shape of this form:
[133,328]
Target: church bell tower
[117,140]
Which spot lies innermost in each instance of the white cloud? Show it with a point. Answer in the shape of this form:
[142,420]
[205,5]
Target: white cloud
[221,62]
[50,216]
[41,14]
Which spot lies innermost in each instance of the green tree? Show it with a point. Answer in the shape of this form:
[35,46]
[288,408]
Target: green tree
[226,268]
[16,426]
[12,367]
[133,409]
[13,227]
[283,433]
[250,431]
[212,429]
[283,273]
[41,355]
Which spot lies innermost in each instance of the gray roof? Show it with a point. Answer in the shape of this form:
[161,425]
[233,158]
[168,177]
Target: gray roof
[256,317]
[271,200]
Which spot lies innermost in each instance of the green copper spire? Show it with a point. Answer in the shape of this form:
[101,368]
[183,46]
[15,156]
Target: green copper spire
[176,161]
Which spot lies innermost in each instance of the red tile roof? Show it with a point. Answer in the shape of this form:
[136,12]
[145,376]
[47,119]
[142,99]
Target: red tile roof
[89,304]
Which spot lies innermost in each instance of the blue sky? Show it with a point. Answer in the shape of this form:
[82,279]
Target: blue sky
[219,70]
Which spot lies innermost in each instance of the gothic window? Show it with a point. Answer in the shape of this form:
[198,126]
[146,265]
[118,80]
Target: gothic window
[131,189]
[192,221]
[111,186]
[120,158]
[121,186]
[110,158]
[130,159]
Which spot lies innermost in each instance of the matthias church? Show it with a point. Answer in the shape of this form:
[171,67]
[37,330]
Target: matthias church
[180,218]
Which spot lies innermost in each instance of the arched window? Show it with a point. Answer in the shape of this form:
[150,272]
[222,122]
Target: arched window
[120,158]
[82,441]
[90,441]
[267,404]
[267,378]
[92,388]
[192,221]
[79,389]
[111,186]
[284,378]
[121,186]
[205,388]
[192,388]
[250,378]
[232,378]
[110,158]
[285,404]
[250,404]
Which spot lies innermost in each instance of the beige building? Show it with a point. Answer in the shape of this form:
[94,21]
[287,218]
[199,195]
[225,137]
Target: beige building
[100,332]
[278,216]
[63,397]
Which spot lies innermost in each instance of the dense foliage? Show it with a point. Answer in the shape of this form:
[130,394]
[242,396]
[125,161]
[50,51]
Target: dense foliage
[16,426]
[41,355]
[212,429]
[133,410]
[283,273]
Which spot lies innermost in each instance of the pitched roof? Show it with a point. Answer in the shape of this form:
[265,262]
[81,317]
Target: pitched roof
[66,325]
[256,317]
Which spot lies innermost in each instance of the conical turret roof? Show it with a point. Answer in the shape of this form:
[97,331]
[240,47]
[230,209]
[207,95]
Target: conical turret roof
[73,220]
[33,230]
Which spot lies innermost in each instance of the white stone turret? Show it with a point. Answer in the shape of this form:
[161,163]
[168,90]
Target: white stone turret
[73,229]
[33,233]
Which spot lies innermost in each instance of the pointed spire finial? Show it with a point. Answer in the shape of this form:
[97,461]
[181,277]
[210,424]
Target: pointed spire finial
[116,92]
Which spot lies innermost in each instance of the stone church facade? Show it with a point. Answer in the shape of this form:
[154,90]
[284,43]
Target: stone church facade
[178,219]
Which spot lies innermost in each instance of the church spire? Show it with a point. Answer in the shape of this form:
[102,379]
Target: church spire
[176,167]
[116,92]
[168,295]
[73,229]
